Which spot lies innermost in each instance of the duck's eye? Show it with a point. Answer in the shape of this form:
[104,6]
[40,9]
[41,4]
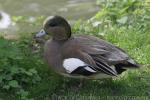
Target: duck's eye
[52,24]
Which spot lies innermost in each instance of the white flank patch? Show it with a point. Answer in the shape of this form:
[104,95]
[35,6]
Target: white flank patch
[72,64]
[5,21]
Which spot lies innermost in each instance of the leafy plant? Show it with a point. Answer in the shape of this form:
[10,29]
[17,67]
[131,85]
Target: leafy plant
[15,75]
[130,13]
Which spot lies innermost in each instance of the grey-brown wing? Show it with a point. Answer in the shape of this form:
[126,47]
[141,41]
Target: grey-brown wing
[100,48]
[106,55]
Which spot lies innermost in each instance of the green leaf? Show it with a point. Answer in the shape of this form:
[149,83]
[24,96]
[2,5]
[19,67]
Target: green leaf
[23,93]
[7,87]
[33,71]
[13,83]
[29,73]
[7,77]
[1,79]
[38,78]
[14,70]
[122,20]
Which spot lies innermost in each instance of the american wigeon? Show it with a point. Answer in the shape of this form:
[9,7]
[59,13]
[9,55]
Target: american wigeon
[82,56]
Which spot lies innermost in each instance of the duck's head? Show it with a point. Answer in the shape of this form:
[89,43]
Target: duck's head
[57,27]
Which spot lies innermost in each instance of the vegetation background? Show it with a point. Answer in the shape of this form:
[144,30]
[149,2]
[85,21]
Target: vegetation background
[25,76]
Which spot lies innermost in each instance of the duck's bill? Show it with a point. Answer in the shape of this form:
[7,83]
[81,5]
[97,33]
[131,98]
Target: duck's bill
[40,34]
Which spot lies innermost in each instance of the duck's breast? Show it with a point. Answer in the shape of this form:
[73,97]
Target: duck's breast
[52,55]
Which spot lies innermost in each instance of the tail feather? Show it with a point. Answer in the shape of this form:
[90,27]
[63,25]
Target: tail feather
[133,64]
[121,67]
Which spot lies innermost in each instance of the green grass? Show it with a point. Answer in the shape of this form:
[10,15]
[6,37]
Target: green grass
[43,84]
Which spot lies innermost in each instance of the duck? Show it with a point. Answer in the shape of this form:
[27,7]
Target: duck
[5,20]
[81,56]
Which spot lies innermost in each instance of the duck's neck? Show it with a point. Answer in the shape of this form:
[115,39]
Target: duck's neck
[60,40]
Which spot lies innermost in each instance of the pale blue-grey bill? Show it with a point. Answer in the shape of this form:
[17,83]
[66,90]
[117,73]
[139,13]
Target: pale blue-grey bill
[41,33]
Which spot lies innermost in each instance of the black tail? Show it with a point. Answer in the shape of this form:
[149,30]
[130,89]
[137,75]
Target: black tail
[130,64]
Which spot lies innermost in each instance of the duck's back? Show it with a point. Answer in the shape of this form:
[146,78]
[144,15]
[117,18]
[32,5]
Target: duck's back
[96,46]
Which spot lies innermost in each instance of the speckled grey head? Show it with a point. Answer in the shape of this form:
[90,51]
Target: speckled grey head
[56,26]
